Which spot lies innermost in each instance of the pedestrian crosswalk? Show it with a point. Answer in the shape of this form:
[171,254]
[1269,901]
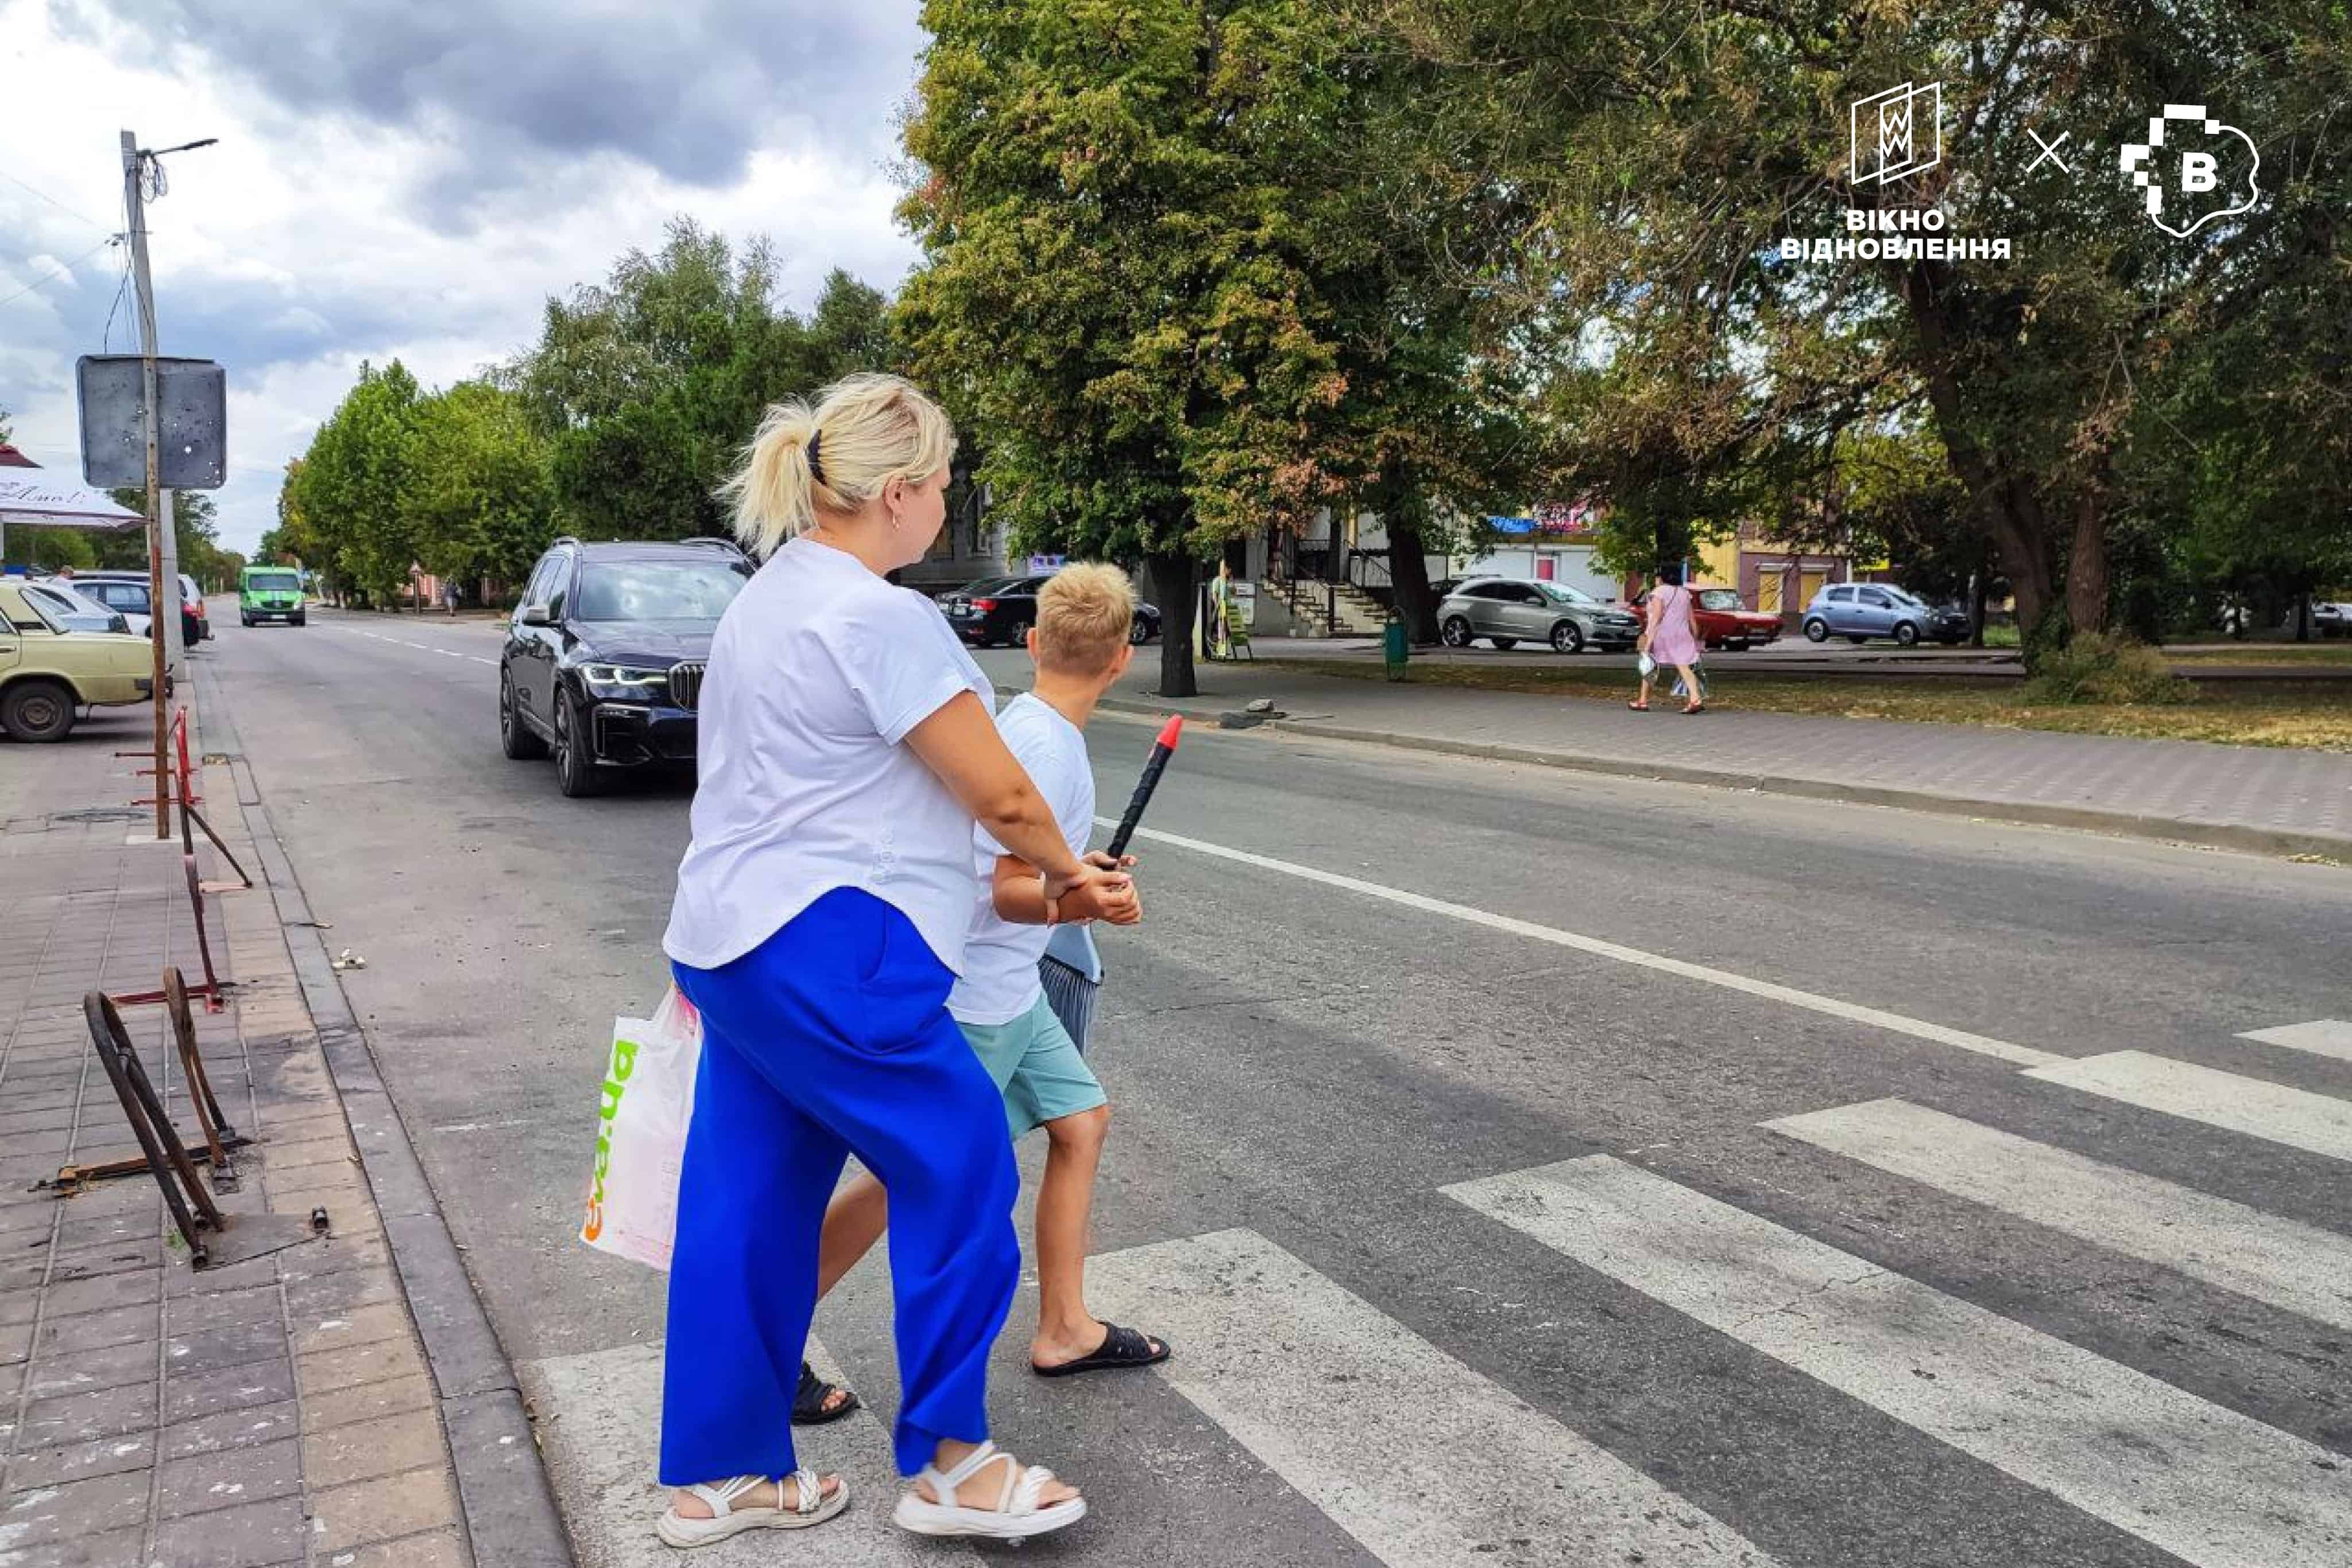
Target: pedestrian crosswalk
[2256,1107]
[1425,1462]
[1414,1448]
[2208,1485]
[2298,1267]
[2321,1036]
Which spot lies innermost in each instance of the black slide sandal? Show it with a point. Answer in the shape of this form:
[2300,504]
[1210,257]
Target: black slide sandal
[1121,1349]
[808,1401]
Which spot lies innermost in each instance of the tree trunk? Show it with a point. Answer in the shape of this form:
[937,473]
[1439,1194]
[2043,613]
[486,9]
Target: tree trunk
[1979,591]
[2086,567]
[1175,589]
[2302,616]
[1408,581]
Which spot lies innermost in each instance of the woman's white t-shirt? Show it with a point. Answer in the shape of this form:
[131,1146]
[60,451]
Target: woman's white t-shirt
[818,669]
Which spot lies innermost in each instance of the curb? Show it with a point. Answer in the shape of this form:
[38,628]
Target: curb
[2088,818]
[503,1492]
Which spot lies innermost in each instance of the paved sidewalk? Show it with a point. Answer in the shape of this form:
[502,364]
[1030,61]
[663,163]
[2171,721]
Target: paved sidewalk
[2267,800]
[274,1411]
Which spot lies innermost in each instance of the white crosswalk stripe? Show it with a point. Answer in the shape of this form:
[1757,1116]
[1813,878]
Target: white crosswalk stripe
[2298,1267]
[2321,1036]
[2206,1484]
[2318,1123]
[1424,1461]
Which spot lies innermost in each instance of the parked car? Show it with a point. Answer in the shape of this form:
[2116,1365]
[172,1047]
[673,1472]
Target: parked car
[1858,612]
[2332,618]
[996,609]
[604,656]
[271,593]
[49,671]
[74,610]
[1724,623]
[193,613]
[125,593]
[1507,611]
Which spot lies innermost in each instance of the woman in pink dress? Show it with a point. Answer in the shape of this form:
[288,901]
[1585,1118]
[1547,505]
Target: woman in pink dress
[1672,638]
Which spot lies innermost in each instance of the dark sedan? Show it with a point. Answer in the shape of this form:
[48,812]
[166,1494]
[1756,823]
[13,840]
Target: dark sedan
[1001,610]
[603,660]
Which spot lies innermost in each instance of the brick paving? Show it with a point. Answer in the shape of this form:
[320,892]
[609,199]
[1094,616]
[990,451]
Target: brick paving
[271,1412]
[2269,789]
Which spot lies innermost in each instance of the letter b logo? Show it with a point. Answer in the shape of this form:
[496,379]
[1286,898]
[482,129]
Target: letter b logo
[2197,171]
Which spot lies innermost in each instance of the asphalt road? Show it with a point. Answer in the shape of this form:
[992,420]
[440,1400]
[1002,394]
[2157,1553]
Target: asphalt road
[1440,1153]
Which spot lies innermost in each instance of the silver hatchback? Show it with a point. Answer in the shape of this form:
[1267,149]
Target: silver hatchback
[1507,611]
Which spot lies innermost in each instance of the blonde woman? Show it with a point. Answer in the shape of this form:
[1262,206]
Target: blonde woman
[846,751]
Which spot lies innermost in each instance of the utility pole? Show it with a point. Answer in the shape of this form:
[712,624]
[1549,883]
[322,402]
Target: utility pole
[135,205]
[163,537]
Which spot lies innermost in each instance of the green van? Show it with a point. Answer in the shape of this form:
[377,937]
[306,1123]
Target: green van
[270,594]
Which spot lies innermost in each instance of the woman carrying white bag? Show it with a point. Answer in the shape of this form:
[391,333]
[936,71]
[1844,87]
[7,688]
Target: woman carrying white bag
[846,750]
[645,1103]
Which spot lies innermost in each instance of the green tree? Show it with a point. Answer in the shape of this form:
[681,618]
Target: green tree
[346,496]
[647,387]
[195,528]
[1114,298]
[1653,164]
[479,497]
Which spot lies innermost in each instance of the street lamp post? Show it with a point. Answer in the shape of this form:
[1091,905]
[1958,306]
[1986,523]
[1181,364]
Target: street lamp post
[162,546]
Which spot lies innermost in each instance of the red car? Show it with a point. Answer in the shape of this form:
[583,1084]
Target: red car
[1723,623]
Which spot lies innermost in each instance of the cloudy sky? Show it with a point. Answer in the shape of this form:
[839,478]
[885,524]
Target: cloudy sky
[411,178]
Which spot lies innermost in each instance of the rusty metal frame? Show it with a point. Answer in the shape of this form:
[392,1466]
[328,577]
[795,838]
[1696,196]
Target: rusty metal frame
[193,1209]
[200,1221]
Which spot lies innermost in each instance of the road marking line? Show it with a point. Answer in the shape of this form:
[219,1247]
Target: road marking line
[2210,1486]
[1893,1023]
[1426,1463]
[2321,1036]
[2298,1267]
[2320,1123]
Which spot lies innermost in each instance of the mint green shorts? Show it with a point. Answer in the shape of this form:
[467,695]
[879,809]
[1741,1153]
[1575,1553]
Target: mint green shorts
[1037,1068]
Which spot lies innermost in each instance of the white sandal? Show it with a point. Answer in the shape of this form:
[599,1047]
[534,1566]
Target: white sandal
[812,1505]
[1015,1517]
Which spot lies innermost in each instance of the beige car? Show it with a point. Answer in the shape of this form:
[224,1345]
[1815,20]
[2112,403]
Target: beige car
[48,672]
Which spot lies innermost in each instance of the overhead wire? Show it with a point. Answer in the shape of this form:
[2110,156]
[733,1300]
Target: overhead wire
[62,270]
[60,206]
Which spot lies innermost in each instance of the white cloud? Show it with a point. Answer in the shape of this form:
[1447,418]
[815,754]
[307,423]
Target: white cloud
[343,219]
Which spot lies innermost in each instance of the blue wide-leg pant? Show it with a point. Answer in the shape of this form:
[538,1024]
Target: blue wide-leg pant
[831,1037]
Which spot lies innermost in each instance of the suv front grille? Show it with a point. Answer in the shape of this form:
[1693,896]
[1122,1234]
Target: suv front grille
[685,686]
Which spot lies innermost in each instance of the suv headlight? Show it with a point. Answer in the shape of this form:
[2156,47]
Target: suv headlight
[623,680]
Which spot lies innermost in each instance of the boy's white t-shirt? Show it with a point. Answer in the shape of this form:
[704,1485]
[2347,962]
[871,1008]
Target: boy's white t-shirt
[998,980]
[818,669]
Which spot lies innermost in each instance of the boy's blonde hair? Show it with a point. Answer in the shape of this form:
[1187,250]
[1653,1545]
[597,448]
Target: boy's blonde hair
[869,429]
[1085,614]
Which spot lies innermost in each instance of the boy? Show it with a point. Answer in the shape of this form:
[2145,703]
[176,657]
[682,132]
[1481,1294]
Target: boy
[1080,647]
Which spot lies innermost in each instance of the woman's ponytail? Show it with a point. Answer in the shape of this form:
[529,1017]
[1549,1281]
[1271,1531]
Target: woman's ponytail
[875,428]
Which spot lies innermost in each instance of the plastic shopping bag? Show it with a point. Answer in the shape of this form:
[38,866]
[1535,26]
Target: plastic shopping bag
[1682,690]
[648,1098]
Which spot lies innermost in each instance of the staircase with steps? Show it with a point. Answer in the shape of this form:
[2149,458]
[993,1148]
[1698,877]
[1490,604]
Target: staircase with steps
[1312,605]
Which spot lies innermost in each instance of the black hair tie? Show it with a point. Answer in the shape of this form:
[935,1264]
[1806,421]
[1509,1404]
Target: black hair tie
[816,465]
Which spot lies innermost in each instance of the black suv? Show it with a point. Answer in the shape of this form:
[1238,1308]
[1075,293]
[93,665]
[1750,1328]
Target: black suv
[604,656]
[1001,610]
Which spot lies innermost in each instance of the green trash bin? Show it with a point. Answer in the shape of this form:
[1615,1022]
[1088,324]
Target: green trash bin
[1396,647]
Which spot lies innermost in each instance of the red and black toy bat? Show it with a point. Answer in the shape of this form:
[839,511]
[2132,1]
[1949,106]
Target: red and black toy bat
[1161,750]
